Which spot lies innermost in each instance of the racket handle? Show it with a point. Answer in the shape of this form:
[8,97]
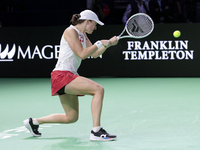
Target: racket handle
[118,37]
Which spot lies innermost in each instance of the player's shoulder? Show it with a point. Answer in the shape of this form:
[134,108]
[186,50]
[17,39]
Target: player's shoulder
[70,31]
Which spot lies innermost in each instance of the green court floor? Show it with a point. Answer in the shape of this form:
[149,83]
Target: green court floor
[145,114]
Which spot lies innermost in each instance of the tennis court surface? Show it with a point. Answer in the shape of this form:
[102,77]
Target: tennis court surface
[144,113]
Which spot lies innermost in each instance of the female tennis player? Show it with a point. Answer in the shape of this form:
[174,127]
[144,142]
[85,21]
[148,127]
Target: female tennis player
[65,81]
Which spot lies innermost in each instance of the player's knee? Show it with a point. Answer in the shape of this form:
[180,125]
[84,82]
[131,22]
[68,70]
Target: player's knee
[73,119]
[100,89]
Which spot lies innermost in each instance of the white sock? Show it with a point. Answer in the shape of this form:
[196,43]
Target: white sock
[35,122]
[96,129]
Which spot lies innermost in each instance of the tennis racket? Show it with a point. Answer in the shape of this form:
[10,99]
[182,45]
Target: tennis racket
[138,26]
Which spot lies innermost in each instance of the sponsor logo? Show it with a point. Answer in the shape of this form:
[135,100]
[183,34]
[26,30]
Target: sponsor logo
[9,53]
[158,50]
[82,39]
[6,54]
[17,52]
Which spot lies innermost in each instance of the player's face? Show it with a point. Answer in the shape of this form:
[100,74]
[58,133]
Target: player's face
[92,25]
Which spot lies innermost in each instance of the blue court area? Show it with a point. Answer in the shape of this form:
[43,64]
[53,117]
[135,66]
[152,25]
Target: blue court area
[145,114]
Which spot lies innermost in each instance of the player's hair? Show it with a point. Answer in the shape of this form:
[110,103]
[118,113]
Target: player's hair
[75,19]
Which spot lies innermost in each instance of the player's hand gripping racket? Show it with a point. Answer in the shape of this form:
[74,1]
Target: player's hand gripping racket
[138,26]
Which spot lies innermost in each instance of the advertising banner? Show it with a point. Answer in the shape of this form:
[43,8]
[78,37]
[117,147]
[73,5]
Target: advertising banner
[33,52]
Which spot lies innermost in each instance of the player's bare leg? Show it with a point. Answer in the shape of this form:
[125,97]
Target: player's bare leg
[84,86]
[71,108]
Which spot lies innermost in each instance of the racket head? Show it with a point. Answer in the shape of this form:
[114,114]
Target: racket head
[139,25]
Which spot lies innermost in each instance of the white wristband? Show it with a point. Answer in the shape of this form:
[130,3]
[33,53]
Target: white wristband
[98,44]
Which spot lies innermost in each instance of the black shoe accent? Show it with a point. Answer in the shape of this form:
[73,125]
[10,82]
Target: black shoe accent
[31,127]
[102,135]
[34,127]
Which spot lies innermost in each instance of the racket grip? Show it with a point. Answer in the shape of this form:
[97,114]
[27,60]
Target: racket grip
[118,37]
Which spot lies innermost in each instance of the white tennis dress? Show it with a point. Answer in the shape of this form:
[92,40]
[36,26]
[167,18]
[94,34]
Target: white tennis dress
[68,60]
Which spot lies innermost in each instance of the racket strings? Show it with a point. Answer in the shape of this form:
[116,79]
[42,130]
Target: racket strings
[139,26]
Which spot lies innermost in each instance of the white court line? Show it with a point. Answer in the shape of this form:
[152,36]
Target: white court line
[12,132]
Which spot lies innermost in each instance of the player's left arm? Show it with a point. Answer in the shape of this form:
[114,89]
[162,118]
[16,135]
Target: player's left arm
[100,51]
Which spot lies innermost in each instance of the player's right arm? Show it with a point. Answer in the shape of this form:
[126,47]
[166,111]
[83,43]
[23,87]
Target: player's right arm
[71,36]
[113,41]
